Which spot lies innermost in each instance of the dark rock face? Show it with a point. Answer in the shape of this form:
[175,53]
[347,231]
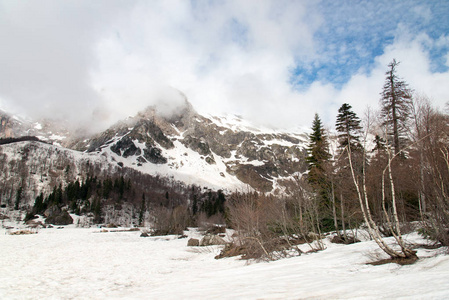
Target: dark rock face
[125,147]
[197,144]
[154,155]
[156,134]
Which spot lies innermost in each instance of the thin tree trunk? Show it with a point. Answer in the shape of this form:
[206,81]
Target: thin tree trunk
[342,209]
[334,211]
[372,227]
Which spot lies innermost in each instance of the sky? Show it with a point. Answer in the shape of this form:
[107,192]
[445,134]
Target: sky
[275,63]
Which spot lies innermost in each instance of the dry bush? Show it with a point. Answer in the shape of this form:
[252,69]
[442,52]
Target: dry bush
[171,221]
[269,228]
[209,224]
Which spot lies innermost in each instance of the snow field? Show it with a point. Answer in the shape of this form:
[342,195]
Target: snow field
[75,263]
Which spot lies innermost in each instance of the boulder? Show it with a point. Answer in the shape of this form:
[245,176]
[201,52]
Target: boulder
[59,218]
[193,242]
[209,240]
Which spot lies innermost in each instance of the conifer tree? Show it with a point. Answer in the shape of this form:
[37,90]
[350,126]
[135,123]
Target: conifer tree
[318,177]
[348,127]
[318,156]
[142,210]
[318,152]
[396,98]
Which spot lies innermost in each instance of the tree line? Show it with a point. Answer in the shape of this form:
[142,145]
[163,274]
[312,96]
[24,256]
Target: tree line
[382,172]
[390,171]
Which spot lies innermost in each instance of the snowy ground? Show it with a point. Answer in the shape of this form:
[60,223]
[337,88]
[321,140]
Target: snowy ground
[74,263]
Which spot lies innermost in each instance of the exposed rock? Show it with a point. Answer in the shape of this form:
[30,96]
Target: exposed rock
[154,155]
[209,240]
[193,242]
[125,147]
[210,160]
[196,144]
[144,234]
[61,218]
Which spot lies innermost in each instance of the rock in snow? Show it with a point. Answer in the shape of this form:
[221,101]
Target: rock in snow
[193,242]
[210,240]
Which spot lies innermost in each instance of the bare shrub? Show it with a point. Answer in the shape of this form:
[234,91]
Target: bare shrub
[269,228]
[213,224]
[171,221]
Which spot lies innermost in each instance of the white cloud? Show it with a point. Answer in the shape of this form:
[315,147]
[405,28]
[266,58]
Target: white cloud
[111,59]
[233,57]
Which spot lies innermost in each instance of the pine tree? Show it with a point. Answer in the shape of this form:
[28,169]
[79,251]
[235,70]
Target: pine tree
[318,150]
[142,210]
[379,144]
[348,127]
[395,106]
[18,198]
[318,177]
[318,155]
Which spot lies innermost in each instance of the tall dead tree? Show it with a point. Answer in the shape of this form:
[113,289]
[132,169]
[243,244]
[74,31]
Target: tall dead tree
[395,107]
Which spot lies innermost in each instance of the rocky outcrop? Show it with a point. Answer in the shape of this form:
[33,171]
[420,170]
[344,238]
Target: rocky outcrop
[154,155]
[125,147]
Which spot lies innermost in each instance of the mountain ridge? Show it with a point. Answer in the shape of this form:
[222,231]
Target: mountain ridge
[218,152]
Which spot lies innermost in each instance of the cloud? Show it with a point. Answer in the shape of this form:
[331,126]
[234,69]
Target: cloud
[46,56]
[232,56]
[274,62]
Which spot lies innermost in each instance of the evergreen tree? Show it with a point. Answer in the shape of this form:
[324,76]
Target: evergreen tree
[348,127]
[379,143]
[318,152]
[96,209]
[142,210]
[396,98]
[318,177]
[18,198]
[39,206]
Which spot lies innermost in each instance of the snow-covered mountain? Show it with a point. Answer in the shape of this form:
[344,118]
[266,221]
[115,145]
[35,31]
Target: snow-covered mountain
[12,126]
[219,152]
[215,152]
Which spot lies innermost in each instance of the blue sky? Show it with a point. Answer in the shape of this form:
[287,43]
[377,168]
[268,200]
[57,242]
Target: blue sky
[274,62]
[354,33]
